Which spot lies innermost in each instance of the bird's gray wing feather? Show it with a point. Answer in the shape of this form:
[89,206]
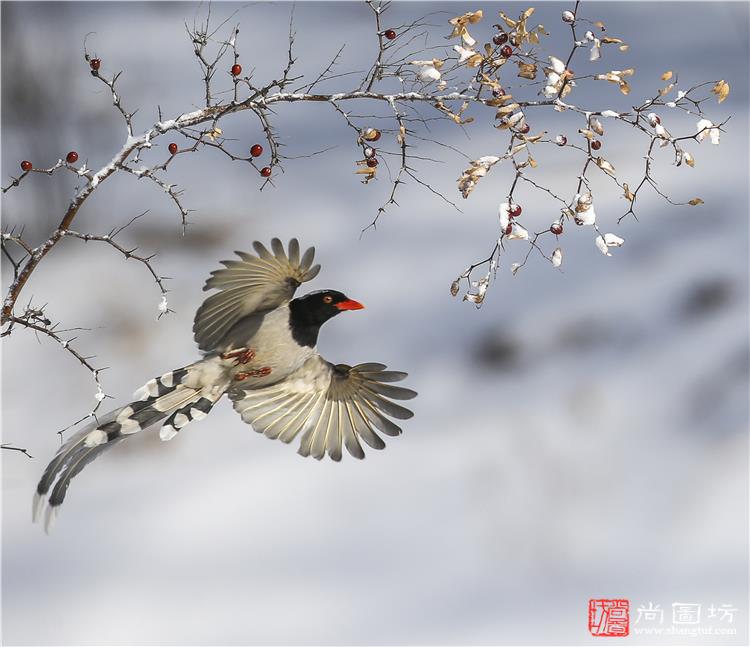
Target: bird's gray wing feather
[330,406]
[254,284]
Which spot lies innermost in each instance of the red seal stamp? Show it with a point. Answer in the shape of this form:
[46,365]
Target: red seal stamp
[609,617]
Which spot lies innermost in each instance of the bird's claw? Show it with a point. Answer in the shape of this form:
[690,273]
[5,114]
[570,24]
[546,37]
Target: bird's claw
[241,356]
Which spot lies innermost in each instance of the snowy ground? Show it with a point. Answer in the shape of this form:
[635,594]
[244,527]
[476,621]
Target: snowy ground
[584,435]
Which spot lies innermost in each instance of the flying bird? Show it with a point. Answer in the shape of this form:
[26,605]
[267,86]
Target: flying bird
[259,348]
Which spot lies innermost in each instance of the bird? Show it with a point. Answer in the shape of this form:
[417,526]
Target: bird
[258,346]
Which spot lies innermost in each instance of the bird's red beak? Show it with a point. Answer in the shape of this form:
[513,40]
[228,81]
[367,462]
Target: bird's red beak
[349,305]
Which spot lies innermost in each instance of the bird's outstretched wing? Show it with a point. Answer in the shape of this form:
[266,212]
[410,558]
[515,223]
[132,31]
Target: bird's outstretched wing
[329,405]
[251,285]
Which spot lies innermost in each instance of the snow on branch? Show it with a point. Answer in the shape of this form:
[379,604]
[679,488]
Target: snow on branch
[438,67]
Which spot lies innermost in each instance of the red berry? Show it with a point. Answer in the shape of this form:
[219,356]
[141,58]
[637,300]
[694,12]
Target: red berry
[26,166]
[266,171]
[72,157]
[509,229]
[656,119]
[173,148]
[369,152]
[514,211]
[498,92]
[500,39]
[95,64]
[596,144]
[372,134]
[372,162]
[256,150]
[561,140]
[556,228]
[390,34]
[236,69]
[524,129]
[506,51]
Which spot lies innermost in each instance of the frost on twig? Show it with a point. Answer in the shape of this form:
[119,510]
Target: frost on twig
[465,70]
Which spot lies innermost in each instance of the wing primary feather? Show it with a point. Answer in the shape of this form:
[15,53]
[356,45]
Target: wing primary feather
[386,406]
[318,448]
[383,376]
[294,252]
[278,250]
[262,251]
[386,426]
[351,440]
[369,367]
[307,259]
[293,426]
[311,273]
[287,406]
[367,433]
[388,391]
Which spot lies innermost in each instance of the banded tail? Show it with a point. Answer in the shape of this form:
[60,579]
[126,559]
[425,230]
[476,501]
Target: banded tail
[180,396]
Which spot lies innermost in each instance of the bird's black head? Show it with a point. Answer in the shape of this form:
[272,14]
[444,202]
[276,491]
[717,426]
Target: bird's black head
[308,313]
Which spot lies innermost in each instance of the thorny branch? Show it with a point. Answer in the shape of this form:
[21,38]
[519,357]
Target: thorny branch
[16,449]
[419,75]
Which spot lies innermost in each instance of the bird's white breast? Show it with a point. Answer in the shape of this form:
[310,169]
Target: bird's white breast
[275,348]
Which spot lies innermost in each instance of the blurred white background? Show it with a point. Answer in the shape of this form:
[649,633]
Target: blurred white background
[583,435]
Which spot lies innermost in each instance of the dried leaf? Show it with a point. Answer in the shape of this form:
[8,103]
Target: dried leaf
[459,26]
[617,76]
[607,241]
[455,116]
[628,195]
[605,166]
[369,174]
[558,67]
[214,133]
[477,170]
[695,202]
[666,90]
[508,21]
[535,138]
[721,90]
[667,75]
[527,70]
[401,137]
[508,122]
[584,210]
[610,40]
[707,129]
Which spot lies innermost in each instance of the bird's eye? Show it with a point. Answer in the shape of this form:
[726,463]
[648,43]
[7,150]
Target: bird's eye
[327,299]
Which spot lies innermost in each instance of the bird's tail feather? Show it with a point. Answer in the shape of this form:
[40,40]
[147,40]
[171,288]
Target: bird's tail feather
[166,396]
